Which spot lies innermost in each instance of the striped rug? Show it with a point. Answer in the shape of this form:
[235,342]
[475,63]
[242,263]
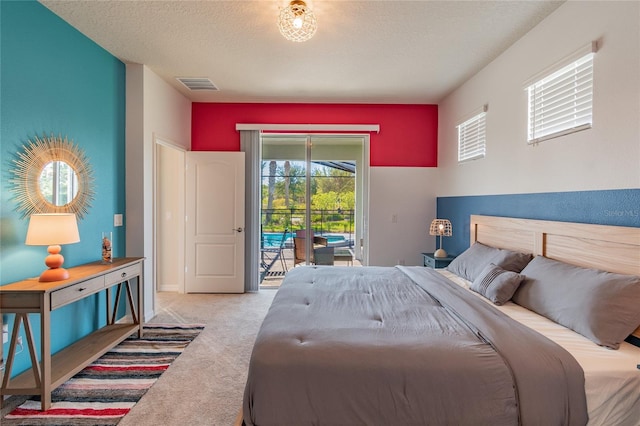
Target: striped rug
[107,389]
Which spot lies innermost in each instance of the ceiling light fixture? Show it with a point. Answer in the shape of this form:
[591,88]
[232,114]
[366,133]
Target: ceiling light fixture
[297,22]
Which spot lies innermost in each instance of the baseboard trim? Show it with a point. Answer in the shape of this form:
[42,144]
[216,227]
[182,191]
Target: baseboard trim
[172,288]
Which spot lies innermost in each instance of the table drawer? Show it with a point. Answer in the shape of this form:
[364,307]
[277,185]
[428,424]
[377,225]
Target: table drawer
[123,274]
[75,292]
[430,262]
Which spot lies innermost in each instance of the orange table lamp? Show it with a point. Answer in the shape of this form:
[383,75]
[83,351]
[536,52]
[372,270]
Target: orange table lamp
[53,229]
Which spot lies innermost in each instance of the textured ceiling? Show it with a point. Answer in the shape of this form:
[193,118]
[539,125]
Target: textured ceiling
[363,52]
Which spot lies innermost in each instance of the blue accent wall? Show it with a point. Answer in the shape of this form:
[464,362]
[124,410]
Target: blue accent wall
[56,81]
[608,207]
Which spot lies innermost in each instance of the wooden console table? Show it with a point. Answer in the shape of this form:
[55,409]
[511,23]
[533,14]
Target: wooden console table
[32,296]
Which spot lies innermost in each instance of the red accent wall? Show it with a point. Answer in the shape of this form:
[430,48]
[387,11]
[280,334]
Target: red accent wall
[408,133]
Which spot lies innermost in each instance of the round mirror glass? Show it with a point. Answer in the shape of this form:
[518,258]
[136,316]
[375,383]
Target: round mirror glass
[58,183]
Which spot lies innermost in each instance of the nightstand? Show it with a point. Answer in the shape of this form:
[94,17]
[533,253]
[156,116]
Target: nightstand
[436,262]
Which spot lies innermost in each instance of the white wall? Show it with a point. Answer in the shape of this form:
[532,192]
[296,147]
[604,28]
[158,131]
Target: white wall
[154,109]
[604,157]
[408,194]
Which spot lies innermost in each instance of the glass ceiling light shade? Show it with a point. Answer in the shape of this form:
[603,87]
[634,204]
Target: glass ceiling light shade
[297,22]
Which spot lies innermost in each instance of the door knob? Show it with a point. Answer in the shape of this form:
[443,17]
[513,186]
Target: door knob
[238,229]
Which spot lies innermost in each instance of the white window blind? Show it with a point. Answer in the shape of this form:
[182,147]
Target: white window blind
[471,138]
[562,101]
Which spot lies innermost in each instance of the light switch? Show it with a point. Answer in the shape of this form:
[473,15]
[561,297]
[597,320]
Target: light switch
[117,220]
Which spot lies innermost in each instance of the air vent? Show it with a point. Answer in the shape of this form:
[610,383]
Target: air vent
[197,83]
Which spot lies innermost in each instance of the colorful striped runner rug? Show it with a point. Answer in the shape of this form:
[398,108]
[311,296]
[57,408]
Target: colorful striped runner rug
[106,390]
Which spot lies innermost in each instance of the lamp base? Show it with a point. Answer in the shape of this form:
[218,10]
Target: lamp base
[440,253]
[54,274]
[54,261]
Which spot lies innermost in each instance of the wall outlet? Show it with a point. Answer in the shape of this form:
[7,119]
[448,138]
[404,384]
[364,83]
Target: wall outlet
[117,220]
[5,333]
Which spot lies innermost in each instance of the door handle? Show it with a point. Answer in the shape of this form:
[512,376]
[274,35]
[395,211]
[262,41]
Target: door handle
[238,229]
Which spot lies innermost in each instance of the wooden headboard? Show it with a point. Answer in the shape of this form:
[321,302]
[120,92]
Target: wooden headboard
[608,248]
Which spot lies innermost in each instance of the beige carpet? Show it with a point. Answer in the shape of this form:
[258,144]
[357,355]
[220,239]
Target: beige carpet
[204,386]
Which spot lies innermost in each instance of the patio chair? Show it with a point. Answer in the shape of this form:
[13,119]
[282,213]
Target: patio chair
[270,255]
[321,254]
[302,233]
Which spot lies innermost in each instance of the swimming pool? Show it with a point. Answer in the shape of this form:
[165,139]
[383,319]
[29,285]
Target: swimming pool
[272,239]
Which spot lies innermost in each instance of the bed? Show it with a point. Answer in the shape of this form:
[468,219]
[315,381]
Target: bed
[412,345]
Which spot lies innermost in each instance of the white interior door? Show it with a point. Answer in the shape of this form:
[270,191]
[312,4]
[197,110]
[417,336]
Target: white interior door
[214,222]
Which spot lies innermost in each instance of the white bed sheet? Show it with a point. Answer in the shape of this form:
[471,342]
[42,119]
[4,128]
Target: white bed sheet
[612,379]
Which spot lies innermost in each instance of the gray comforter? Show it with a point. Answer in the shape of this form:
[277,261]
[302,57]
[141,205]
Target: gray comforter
[402,346]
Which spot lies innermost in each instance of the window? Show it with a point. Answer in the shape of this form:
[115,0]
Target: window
[471,137]
[561,100]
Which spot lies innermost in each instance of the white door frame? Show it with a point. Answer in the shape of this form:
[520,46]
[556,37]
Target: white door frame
[160,143]
[253,169]
[364,248]
[362,232]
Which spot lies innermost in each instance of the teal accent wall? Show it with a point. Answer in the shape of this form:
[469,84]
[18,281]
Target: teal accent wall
[54,80]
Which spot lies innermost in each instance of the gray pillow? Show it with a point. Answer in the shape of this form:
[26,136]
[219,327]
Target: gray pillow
[473,260]
[497,284]
[602,306]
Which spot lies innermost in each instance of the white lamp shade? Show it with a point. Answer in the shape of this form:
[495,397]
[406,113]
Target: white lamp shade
[52,229]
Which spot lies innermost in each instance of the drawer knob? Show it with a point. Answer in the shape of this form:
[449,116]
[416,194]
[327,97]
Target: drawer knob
[82,289]
[124,274]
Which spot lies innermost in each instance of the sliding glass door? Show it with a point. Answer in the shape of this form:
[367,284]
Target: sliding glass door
[311,187]
[283,202]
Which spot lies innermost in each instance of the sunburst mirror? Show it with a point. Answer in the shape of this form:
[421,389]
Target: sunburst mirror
[52,175]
